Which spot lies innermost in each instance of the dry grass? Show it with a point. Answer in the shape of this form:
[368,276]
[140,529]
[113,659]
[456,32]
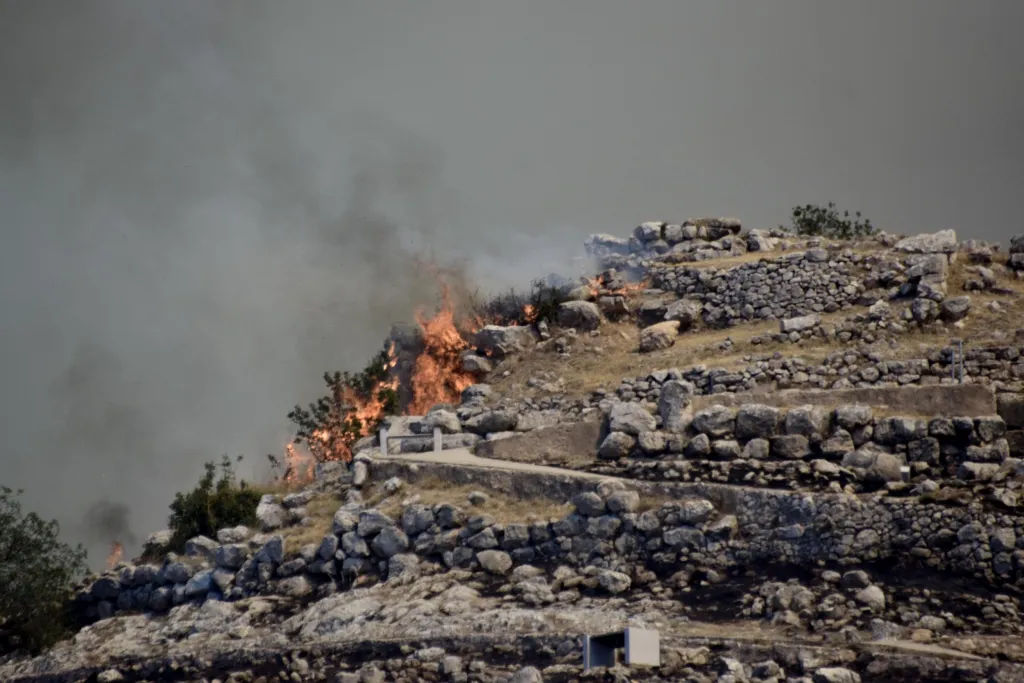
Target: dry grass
[435,491]
[321,510]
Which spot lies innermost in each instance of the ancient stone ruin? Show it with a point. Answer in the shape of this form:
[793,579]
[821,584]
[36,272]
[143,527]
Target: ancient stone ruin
[780,458]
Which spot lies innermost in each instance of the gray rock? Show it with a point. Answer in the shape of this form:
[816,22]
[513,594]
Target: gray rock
[616,445]
[835,674]
[924,310]
[403,564]
[492,421]
[954,309]
[497,342]
[715,421]
[344,521]
[756,449]
[201,546]
[673,400]
[494,561]
[270,515]
[852,416]
[799,323]
[614,582]
[872,597]
[694,510]
[589,504]
[685,311]
[756,421]
[943,241]
[809,420]
[476,392]
[231,556]
[855,580]
[389,542]
[659,336]
[475,364]
[790,447]
[372,522]
[529,674]
[581,315]
[445,419]
[236,534]
[623,501]
[630,418]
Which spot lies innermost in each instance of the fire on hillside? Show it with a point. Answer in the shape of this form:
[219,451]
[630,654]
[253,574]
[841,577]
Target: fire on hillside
[436,377]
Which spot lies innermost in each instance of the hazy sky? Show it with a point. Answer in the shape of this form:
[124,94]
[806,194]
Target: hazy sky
[205,204]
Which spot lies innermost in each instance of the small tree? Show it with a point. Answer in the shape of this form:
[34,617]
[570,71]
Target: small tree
[819,221]
[212,505]
[330,426]
[37,571]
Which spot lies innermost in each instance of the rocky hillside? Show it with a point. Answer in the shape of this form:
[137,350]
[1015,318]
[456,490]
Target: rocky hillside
[797,459]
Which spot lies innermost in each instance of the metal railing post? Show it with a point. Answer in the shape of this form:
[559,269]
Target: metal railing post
[383,440]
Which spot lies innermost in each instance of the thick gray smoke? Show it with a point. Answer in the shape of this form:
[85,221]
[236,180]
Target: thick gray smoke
[206,204]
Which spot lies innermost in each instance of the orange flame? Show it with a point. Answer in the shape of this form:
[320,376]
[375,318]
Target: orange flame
[437,376]
[116,552]
[530,313]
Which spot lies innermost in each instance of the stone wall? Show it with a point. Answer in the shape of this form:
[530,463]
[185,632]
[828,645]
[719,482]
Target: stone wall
[847,444]
[616,533]
[814,281]
[943,400]
[1001,367]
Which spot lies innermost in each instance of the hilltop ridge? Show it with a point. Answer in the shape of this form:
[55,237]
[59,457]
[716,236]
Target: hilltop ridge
[798,458]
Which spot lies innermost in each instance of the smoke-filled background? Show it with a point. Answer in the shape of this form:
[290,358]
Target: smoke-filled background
[205,204]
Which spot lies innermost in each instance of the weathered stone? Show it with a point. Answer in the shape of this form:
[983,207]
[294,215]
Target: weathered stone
[630,418]
[673,401]
[943,241]
[955,308]
[756,421]
[616,445]
[799,323]
[659,336]
[494,561]
[580,315]
[491,421]
[790,447]
[715,421]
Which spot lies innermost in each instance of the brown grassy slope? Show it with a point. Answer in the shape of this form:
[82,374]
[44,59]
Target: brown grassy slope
[602,361]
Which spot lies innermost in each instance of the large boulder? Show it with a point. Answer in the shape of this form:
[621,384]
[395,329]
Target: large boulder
[446,420]
[955,309]
[799,323]
[270,514]
[756,421]
[672,403]
[491,421]
[495,341]
[659,336]
[581,315]
[943,241]
[685,311]
[630,418]
[715,421]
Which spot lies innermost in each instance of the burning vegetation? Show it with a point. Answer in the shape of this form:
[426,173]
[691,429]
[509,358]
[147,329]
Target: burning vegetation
[116,553]
[356,404]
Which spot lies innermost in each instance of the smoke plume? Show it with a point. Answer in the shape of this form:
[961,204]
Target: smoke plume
[207,204]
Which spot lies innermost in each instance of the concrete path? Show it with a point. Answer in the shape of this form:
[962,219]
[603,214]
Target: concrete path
[464,458]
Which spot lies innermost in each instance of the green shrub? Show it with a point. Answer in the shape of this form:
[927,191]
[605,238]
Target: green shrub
[819,221]
[212,505]
[329,427]
[37,572]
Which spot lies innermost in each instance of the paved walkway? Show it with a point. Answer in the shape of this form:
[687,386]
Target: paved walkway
[464,458]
